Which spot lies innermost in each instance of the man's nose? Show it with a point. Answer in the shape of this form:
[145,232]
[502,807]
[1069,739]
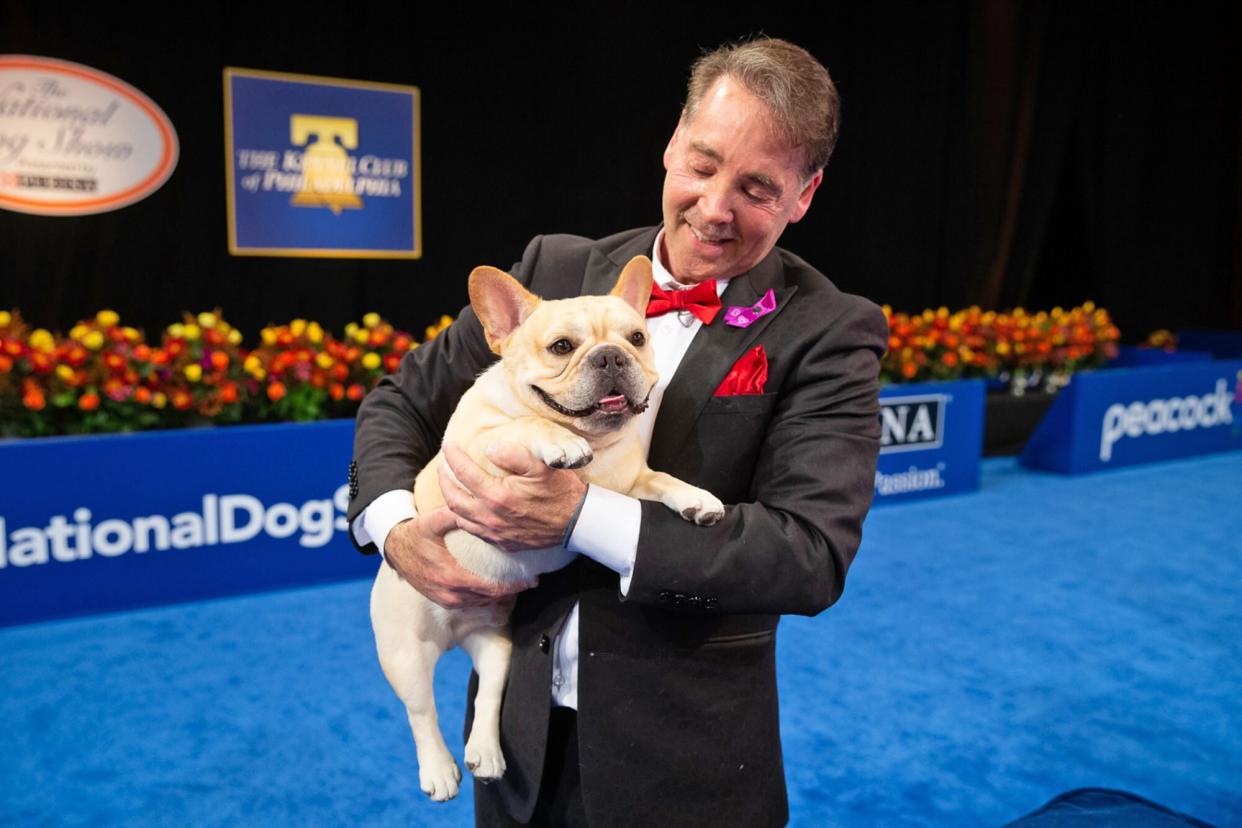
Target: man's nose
[716,203]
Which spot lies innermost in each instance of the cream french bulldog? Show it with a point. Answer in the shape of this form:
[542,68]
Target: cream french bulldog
[572,376]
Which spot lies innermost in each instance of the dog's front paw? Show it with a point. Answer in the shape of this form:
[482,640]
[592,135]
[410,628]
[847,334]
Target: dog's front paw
[563,452]
[439,778]
[485,761]
[695,504]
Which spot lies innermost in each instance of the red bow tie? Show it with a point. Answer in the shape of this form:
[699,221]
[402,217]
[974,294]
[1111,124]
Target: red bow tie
[700,300]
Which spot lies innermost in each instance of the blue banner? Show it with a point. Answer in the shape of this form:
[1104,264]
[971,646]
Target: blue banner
[321,167]
[94,524]
[931,440]
[1125,416]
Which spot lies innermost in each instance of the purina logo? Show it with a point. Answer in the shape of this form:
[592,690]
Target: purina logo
[912,423]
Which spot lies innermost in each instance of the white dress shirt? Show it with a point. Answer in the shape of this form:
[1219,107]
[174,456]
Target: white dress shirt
[608,525]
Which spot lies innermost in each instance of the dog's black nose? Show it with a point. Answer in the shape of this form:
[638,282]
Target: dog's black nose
[610,357]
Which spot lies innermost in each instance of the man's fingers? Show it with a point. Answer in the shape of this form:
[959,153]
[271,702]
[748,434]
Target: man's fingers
[439,521]
[469,475]
[515,459]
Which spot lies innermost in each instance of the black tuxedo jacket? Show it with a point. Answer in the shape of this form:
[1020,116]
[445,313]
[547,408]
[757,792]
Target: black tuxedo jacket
[677,718]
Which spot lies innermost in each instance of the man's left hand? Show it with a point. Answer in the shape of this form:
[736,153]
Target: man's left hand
[528,508]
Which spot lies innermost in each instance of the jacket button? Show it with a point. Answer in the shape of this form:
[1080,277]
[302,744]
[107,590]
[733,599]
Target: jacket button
[663,597]
[544,643]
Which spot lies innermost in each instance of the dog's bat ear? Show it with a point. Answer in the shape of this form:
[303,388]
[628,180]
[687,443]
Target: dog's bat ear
[634,285]
[500,302]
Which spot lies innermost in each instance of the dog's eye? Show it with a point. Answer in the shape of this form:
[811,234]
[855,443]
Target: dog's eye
[561,347]
[638,339]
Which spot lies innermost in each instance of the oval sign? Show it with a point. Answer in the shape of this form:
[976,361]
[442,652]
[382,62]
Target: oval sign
[75,140]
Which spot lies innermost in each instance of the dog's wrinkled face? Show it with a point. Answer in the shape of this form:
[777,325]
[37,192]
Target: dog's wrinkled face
[585,363]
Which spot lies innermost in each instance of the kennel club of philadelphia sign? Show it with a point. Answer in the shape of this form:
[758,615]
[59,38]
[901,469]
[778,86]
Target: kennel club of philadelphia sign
[75,140]
[321,167]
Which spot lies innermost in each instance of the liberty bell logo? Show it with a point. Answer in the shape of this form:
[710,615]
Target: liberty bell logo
[326,164]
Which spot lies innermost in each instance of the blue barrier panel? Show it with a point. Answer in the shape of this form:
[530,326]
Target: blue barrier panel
[94,524]
[1220,344]
[1128,356]
[1125,416]
[931,439]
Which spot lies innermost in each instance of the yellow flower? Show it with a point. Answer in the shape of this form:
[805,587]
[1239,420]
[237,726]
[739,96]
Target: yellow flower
[159,400]
[314,333]
[78,331]
[193,372]
[371,360]
[351,329]
[1002,348]
[206,320]
[176,330]
[6,319]
[1088,306]
[297,327]
[371,319]
[268,335]
[191,332]
[93,340]
[131,334]
[323,360]
[64,372]
[107,318]
[361,336]
[235,337]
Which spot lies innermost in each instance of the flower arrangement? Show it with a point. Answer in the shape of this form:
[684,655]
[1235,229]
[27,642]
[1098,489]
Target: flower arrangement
[105,377]
[1017,350]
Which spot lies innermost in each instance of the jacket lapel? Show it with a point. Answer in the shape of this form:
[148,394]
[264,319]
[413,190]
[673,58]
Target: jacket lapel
[604,268]
[716,347]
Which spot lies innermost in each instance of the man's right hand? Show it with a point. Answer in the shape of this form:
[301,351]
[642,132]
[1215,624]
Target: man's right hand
[415,549]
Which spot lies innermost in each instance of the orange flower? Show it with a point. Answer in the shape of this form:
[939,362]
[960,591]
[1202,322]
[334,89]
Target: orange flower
[909,369]
[276,391]
[219,360]
[182,400]
[6,364]
[142,395]
[949,359]
[355,392]
[33,398]
[228,392]
[337,391]
[88,401]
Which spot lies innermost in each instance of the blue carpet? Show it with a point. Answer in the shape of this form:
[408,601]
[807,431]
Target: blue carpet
[991,651]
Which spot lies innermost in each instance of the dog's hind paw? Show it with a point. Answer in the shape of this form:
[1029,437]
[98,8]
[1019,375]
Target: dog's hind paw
[485,763]
[440,780]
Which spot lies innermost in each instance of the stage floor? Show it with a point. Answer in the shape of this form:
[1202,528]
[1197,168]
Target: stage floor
[991,650]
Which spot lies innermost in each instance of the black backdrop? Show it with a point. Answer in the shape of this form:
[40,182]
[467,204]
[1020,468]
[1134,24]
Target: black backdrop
[992,152]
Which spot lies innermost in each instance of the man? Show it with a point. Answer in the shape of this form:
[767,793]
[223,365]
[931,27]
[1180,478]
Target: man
[642,688]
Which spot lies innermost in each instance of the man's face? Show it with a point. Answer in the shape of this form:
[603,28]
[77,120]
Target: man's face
[730,187]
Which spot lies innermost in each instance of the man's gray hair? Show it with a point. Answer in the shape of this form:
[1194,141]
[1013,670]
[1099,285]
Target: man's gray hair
[794,85]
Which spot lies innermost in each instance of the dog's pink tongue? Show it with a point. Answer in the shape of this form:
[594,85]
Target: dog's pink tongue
[616,402]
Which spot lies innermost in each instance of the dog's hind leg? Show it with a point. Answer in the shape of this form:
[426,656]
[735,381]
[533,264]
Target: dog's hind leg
[490,648]
[411,673]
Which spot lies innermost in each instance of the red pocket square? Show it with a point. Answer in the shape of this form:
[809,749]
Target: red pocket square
[747,376]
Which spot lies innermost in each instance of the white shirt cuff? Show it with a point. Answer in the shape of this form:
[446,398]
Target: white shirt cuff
[607,531]
[385,512]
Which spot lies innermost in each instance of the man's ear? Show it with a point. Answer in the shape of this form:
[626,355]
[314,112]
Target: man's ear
[634,285]
[500,302]
[804,197]
[672,142]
